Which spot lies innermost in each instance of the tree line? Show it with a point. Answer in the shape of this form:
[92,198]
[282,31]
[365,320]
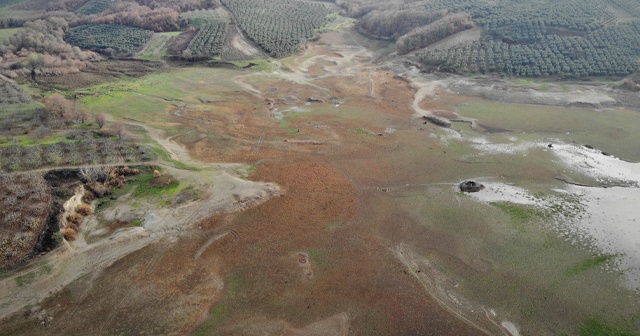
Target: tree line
[40,48]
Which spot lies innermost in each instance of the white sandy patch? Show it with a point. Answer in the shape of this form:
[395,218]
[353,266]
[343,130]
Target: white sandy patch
[487,147]
[501,192]
[593,163]
[612,219]
[605,219]
[511,328]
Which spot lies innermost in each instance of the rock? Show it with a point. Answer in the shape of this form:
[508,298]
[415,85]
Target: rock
[471,186]
[438,121]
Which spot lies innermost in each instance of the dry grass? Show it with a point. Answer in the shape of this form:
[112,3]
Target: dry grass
[69,234]
[84,209]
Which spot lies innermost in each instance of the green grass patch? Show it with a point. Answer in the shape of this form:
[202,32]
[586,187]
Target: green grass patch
[144,187]
[156,47]
[123,104]
[333,226]
[590,263]
[517,212]
[319,259]
[217,314]
[162,154]
[337,22]
[30,277]
[596,327]
[362,131]
[8,32]
[141,187]
[234,285]
[199,18]
[26,140]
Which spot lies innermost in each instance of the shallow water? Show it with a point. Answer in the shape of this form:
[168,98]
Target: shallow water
[609,222]
[612,219]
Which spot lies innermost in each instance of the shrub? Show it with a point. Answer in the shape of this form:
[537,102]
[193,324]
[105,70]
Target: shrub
[88,196]
[69,234]
[84,210]
[74,217]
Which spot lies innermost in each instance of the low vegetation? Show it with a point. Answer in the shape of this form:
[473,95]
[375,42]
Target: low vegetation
[591,263]
[518,213]
[596,327]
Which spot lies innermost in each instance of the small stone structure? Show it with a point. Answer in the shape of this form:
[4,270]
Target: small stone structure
[471,186]
[442,122]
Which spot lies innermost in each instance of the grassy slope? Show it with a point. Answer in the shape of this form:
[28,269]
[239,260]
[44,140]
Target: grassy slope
[8,32]
[155,48]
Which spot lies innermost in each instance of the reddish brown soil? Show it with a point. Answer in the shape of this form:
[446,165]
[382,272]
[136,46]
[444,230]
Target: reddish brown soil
[324,215]
[353,272]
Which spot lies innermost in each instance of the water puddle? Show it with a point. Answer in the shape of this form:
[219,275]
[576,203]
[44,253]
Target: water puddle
[606,219]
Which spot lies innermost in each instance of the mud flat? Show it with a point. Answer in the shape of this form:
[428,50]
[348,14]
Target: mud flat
[366,233]
[608,220]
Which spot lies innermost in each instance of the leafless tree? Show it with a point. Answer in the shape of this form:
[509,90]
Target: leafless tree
[92,174]
[119,129]
[100,120]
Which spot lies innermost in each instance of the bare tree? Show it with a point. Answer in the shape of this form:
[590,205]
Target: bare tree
[119,129]
[100,120]
[93,174]
[56,105]
[41,132]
